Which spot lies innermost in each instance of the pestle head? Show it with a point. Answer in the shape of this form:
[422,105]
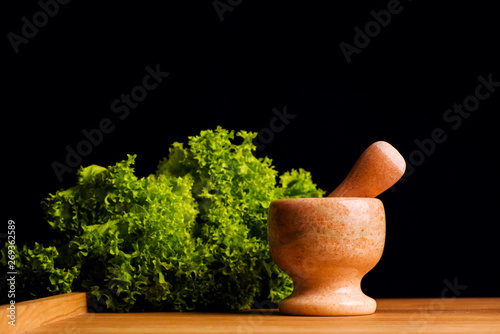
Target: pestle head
[378,168]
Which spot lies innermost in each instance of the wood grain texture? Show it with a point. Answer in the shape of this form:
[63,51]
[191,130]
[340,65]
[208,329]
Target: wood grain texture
[461,315]
[34,313]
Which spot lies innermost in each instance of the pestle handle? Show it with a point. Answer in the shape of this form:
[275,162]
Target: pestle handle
[378,168]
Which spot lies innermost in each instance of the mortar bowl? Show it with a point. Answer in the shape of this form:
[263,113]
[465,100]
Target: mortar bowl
[326,245]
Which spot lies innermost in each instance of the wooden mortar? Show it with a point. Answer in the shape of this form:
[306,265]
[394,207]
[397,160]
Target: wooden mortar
[327,245]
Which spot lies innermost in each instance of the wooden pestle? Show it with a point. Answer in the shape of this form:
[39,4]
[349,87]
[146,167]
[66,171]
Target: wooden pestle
[376,170]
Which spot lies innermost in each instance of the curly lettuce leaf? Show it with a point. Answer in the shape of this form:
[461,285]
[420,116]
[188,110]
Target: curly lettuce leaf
[192,236]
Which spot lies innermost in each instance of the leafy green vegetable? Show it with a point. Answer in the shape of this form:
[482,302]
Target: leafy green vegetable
[191,236]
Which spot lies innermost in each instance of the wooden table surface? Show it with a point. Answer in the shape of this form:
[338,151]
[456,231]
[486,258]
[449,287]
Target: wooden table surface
[67,314]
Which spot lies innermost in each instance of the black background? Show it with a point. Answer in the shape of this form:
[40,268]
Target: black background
[442,222]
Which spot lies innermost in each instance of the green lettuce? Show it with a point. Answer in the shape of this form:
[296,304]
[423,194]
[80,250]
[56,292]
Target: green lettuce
[192,236]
